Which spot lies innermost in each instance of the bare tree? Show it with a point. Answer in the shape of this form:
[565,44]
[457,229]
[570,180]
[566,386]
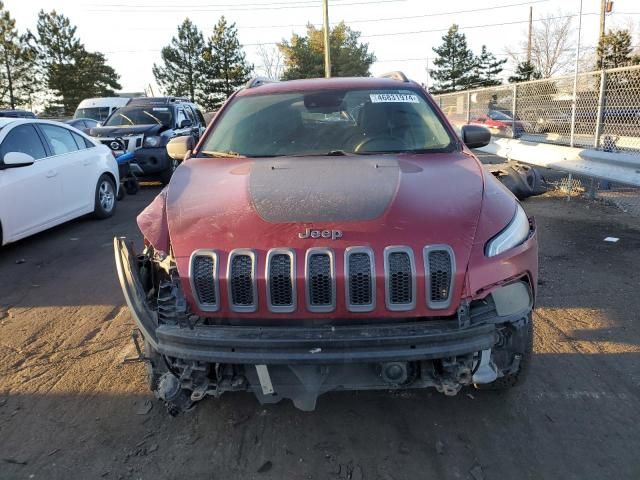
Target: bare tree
[271,61]
[552,50]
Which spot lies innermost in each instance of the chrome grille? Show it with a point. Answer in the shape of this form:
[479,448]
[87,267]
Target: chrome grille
[320,281]
[204,282]
[359,279]
[281,281]
[241,280]
[400,278]
[439,269]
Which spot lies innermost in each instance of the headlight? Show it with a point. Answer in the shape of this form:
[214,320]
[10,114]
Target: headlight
[513,235]
[151,141]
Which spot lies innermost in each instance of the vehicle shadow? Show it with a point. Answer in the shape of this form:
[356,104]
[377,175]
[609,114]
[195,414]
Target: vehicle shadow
[554,426]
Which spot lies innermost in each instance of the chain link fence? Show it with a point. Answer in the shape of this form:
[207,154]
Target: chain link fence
[606,114]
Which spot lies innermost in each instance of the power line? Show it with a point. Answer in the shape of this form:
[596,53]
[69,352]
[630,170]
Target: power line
[400,33]
[229,9]
[468,27]
[182,7]
[386,19]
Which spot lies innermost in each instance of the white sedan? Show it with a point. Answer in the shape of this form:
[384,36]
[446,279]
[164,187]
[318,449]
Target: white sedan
[51,173]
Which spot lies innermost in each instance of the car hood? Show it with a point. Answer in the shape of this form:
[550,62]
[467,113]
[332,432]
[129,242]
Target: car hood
[376,201]
[124,131]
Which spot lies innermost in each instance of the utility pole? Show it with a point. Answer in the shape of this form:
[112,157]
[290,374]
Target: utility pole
[606,6]
[530,35]
[327,52]
[575,82]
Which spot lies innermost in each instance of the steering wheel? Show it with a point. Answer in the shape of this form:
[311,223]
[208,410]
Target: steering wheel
[381,143]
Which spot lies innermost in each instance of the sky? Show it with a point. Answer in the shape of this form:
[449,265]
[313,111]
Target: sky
[401,33]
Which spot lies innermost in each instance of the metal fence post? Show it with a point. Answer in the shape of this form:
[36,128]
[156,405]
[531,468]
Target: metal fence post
[601,98]
[514,105]
[468,108]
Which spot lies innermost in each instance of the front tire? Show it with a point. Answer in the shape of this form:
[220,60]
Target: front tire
[105,199]
[165,176]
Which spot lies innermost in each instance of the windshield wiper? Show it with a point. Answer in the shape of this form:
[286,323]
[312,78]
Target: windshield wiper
[229,154]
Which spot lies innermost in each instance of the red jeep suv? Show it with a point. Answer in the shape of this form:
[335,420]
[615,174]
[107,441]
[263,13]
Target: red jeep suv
[331,234]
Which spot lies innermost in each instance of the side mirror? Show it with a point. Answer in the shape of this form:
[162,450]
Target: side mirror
[17,159]
[179,147]
[475,136]
[185,123]
[99,124]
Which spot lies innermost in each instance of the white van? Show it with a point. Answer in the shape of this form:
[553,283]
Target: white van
[99,108]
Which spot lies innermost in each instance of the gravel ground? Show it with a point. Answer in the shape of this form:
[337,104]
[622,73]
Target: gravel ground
[69,407]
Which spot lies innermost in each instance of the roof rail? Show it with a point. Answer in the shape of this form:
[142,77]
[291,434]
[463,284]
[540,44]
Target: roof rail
[257,81]
[157,100]
[397,75]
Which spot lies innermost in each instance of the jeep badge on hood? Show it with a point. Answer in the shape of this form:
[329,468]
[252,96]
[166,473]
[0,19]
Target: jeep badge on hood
[332,234]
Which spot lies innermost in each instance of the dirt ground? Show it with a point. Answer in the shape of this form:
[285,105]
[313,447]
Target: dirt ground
[70,409]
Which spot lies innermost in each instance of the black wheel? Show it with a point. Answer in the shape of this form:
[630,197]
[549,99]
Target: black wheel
[105,201]
[515,378]
[131,185]
[121,193]
[165,176]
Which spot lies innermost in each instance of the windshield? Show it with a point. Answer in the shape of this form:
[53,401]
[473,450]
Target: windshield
[97,113]
[498,115]
[328,122]
[141,116]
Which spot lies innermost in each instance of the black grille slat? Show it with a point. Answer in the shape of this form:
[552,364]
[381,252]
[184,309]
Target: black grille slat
[320,281]
[400,278]
[280,281]
[360,281]
[241,280]
[203,279]
[440,275]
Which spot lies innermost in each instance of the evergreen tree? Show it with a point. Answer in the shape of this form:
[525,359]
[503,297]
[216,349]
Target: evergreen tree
[226,68]
[94,76]
[488,68]
[304,56]
[614,50]
[182,71]
[67,69]
[456,64]
[56,46]
[525,71]
[16,64]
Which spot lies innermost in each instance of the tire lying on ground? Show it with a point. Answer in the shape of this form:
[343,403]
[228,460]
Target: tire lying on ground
[523,181]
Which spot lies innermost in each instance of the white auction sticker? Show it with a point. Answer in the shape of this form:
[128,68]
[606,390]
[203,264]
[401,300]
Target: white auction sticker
[393,98]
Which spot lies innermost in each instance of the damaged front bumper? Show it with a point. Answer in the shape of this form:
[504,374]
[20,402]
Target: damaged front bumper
[191,361]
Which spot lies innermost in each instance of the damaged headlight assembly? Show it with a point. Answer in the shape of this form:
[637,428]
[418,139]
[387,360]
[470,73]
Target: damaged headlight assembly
[514,234]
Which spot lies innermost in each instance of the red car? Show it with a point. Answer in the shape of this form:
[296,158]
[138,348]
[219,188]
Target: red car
[331,234]
[500,123]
